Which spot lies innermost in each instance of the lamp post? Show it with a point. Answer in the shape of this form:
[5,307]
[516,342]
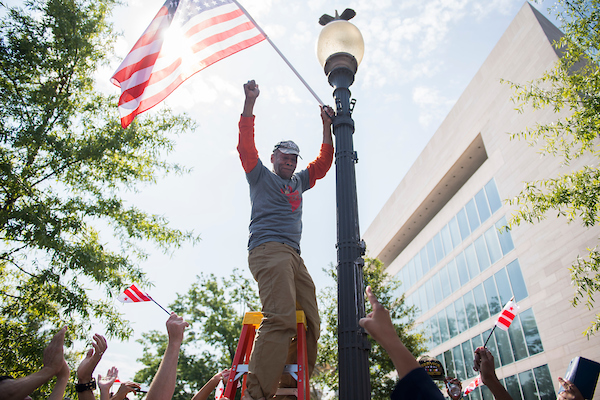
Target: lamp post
[340,49]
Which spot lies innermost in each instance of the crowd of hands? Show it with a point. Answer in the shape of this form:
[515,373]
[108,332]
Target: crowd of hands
[378,324]
[55,365]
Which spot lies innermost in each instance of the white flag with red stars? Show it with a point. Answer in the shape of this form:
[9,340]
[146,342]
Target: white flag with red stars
[507,315]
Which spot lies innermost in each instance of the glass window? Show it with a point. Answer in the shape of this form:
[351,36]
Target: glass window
[446,240]
[424,260]
[476,342]
[412,275]
[453,276]
[461,265]
[463,224]
[461,315]
[516,280]
[475,394]
[471,310]
[439,247]
[486,393]
[418,268]
[454,232]
[451,315]
[532,336]
[430,295]
[416,300]
[423,299]
[506,242]
[544,382]
[517,340]
[445,281]
[492,195]
[459,363]
[504,349]
[493,245]
[472,215]
[482,253]
[444,334]
[449,363]
[481,302]
[431,254]
[513,387]
[437,288]
[492,296]
[435,331]
[491,346]
[503,285]
[472,263]
[482,206]
[528,385]
[468,357]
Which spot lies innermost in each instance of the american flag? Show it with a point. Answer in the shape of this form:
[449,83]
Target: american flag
[507,315]
[133,294]
[185,37]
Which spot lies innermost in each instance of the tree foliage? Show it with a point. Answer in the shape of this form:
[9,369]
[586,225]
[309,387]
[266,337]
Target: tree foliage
[65,162]
[571,88]
[215,312]
[382,384]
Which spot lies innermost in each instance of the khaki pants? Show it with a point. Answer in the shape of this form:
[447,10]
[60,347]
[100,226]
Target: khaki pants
[284,285]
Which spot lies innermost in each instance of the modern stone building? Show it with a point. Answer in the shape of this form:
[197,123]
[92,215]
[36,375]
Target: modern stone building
[439,234]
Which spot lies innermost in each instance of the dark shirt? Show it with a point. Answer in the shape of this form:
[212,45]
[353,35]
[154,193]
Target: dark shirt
[416,385]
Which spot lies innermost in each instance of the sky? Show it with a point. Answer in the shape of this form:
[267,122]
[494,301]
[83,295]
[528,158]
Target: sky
[419,57]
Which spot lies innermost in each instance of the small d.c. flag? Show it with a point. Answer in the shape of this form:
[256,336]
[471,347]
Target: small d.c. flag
[473,385]
[133,294]
[507,315]
[185,37]
[219,391]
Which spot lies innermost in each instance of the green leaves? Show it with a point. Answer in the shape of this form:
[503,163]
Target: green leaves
[65,162]
[572,89]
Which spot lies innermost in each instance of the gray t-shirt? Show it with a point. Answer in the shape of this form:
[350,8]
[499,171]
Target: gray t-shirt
[276,214]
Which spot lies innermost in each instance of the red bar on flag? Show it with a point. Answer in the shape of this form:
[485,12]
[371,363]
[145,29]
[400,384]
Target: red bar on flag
[133,294]
[185,37]
[473,385]
[507,315]
[219,390]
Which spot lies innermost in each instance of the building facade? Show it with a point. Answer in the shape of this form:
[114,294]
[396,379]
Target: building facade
[439,232]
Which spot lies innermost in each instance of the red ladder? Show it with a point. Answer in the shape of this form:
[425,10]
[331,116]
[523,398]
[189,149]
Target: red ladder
[242,356]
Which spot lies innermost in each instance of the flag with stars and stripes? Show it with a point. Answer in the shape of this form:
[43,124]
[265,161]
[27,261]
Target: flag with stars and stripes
[133,294]
[185,37]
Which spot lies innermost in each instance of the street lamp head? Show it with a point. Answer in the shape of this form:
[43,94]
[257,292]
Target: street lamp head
[340,43]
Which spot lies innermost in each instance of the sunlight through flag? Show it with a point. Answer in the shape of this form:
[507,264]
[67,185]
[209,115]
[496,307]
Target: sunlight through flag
[507,315]
[185,37]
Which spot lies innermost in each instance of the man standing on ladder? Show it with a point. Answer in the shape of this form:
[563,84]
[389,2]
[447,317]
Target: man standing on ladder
[274,250]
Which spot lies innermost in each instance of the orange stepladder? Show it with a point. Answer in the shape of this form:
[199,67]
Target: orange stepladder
[244,348]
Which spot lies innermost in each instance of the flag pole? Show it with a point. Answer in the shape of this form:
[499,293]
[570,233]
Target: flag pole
[158,304]
[488,339]
[279,52]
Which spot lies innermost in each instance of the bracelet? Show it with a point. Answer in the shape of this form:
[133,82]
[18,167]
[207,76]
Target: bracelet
[82,387]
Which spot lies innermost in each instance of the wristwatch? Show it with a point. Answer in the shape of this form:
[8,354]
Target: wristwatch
[82,387]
